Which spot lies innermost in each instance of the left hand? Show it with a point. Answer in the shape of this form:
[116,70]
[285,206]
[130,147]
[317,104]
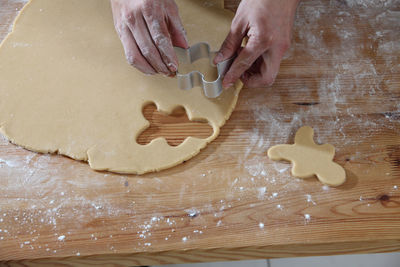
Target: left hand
[148,30]
[268,26]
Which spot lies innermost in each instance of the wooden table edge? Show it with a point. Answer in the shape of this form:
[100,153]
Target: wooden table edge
[218,254]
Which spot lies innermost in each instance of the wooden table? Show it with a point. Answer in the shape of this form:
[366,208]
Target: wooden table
[230,202]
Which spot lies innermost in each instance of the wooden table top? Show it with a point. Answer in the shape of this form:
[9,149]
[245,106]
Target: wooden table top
[341,76]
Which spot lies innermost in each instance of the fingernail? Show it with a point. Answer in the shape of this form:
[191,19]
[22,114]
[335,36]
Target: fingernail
[185,37]
[227,86]
[219,57]
[172,67]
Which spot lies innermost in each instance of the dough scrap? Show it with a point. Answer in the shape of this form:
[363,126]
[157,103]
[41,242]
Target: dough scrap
[65,86]
[310,159]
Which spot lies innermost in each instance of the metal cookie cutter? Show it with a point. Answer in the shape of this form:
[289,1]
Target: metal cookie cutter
[195,78]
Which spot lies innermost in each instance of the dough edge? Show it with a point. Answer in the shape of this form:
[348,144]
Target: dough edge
[216,128]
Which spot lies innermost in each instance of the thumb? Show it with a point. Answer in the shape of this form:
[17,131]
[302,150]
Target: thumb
[267,70]
[229,47]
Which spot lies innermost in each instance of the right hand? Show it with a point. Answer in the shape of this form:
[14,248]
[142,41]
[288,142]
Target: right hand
[268,26]
[149,30]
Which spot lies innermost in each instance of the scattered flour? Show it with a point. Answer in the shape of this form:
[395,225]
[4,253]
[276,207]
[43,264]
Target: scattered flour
[342,66]
[261,192]
[310,200]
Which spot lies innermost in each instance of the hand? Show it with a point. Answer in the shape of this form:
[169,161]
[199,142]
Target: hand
[268,26]
[148,30]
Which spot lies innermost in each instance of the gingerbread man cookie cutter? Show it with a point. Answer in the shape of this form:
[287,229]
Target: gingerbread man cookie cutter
[212,89]
[309,158]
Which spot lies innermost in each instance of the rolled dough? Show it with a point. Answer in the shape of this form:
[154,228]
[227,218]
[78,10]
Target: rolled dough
[65,86]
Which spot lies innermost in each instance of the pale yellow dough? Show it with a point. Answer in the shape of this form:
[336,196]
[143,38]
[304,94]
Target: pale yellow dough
[310,159]
[66,87]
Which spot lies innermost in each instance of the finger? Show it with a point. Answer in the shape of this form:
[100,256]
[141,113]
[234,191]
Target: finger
[146,45]
[178,33]
[247,56]
[132,52]
[160,36]
[231,44]
[268,71]
[229,47]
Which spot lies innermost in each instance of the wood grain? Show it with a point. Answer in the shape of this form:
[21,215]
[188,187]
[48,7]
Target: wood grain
[163,125]
[200,255]
[341,76]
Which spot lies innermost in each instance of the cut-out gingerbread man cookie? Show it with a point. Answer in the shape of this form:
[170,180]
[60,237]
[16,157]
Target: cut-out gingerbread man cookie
[310,159]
